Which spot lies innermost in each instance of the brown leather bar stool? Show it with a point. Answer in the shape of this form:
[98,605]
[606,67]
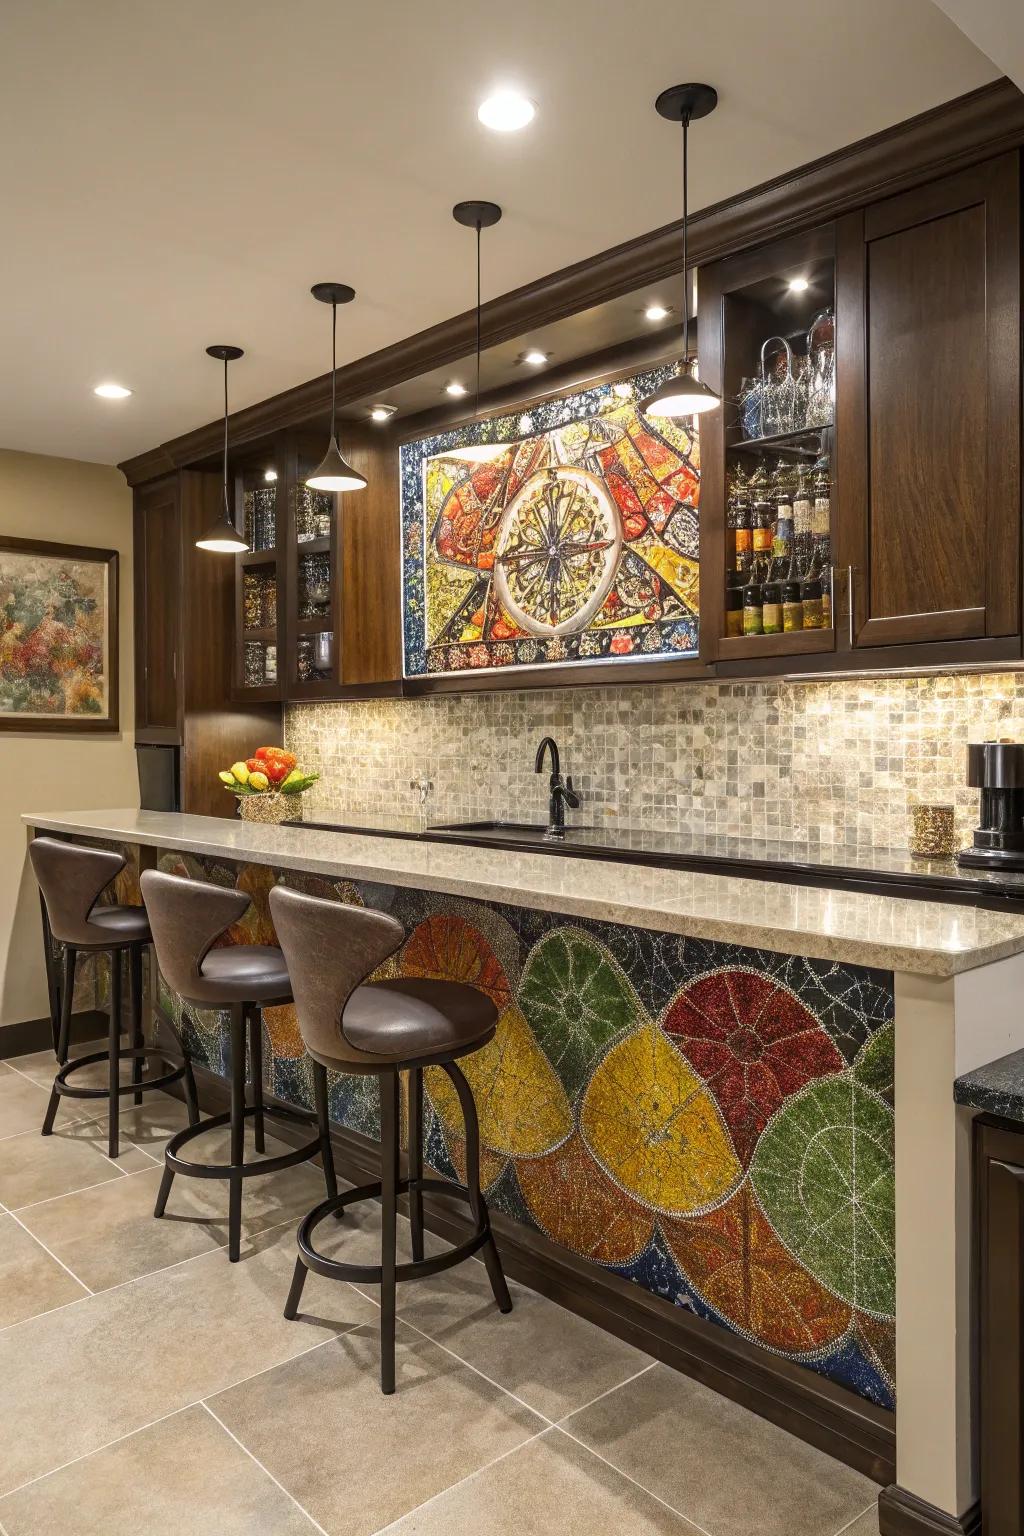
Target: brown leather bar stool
[71,880]
[187,918]
[384,1028]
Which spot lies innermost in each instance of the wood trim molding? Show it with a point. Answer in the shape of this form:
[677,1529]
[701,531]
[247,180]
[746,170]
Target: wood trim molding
[903,1514]
[36,1034]
[807,1405]
[949,137]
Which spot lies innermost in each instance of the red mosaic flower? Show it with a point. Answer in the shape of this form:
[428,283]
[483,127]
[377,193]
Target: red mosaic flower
[753,1043]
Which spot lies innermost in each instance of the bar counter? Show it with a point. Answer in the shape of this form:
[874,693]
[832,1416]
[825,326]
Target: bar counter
[722,1106]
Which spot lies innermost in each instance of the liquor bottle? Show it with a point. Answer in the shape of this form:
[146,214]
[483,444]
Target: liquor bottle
[734,604]
[739,524]
[811,597]
[803,510]
[782,494]
[792,602]
[753,602]
[762,519]
[771,604]
[821,518]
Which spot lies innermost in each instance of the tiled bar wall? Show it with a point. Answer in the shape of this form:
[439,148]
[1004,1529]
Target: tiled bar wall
[830,762]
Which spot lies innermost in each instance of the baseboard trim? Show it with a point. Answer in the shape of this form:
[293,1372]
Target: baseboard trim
[903,1514]
[36,1035]
[808,1406]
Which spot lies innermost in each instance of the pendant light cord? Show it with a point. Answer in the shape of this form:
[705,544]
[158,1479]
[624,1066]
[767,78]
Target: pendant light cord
[227,506]
[686,277]
[334,370]
[479,227]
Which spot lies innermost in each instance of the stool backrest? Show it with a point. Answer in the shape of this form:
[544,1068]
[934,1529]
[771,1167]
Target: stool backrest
[330,948]
[186,918]
[72,878]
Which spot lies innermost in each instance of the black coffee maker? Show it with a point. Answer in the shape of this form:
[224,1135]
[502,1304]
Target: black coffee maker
[997,769]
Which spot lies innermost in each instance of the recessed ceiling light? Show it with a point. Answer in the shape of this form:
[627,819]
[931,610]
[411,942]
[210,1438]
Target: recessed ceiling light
[798,285]
[656,312]
[270,475]
[506,111]
[382,412]
[111,391]
[453,387]
[535,357]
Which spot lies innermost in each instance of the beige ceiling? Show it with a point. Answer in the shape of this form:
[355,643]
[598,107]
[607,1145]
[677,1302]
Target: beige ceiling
[177,172]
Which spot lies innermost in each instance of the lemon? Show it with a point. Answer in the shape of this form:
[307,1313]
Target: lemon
[240,773]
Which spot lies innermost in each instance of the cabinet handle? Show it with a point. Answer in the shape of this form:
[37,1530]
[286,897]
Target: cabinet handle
[850,599]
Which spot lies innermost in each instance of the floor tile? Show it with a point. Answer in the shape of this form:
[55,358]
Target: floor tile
[555,1361]
[30,1281]
[22,1103]
[182,1477]
[40,1065]
[78,1378]
[732,1473]
[108,1234]
[35,1167]
[550,1485]
[360,1459]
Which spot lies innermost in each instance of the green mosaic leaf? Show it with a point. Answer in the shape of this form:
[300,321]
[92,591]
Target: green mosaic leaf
[576,999]
[824,1174]
[875,1067]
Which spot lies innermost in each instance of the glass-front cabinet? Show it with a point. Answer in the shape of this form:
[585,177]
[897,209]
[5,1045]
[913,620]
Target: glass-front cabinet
[768,343]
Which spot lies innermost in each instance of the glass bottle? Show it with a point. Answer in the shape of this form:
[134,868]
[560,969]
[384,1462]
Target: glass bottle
[811,598]
[739,524]
[771,604]
[792,602]
[821,512]
[734,604]
[803,511]
[782,495]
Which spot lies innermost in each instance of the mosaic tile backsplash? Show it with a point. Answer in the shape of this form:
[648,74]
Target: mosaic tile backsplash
[837,763]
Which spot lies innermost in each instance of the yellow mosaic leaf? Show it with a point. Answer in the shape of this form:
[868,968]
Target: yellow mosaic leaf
[680,572]
[653,1126]
[520,1101]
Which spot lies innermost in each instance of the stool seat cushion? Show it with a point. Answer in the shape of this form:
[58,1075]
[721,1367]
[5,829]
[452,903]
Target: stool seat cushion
[120,925]
[410,1018]
[243,973]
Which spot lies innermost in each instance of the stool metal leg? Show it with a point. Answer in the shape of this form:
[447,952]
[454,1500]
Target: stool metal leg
[67,992]
[291,1306]
[323,1122]
[256,1058]
[388,1203]
[416,1159]
[113,1056]
[237,1130]
[191,1096]
[477,1204]
[135,1007]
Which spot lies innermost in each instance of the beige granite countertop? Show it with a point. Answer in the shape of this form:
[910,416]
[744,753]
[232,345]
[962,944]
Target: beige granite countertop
[892,933]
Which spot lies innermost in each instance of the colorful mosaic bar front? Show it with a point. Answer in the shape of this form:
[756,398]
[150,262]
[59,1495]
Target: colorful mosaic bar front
[713,1123]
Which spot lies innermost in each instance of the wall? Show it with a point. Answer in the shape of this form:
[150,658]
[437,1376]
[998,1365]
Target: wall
[831,763]
[71,503]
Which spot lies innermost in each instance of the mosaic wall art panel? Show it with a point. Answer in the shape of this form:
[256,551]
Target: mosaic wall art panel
[835,763]
[577,541]
[710,1122]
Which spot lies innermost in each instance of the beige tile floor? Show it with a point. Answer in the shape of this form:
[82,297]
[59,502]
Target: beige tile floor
[149,1386]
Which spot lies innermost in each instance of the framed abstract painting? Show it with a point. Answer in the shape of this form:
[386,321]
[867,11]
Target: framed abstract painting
[575,539]
[58,637]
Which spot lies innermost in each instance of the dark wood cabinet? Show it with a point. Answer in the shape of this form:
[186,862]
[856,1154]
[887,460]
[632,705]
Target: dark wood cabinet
[157,545]
[928,490]
[999,1184]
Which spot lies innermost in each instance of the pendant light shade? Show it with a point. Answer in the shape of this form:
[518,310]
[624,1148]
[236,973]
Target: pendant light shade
[684,395]
[479,216]
[334,473]
[222,537]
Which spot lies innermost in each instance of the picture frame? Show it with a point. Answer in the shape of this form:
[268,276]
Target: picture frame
[59,662]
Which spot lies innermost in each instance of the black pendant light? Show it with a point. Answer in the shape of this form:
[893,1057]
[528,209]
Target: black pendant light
[684,395]
[334,473]
[477,215]
[223,537]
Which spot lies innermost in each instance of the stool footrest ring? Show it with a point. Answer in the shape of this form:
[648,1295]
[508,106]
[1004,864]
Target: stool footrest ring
[142,1053]
[225,1170]
[370,1274]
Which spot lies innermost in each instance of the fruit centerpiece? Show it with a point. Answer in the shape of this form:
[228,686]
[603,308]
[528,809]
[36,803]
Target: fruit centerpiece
[268,785]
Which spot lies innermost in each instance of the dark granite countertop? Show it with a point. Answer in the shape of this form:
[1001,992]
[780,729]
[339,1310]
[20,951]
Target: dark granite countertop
[998,1088]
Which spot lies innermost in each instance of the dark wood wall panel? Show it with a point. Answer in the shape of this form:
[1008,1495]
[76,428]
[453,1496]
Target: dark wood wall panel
[157,533]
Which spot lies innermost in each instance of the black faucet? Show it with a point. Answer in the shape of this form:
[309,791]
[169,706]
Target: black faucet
[562,792]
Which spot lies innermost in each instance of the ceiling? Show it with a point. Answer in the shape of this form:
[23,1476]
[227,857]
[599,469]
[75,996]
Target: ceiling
[177,175]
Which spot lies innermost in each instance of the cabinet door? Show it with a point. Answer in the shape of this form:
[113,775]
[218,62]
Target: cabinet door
[157,606]
[928,411]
